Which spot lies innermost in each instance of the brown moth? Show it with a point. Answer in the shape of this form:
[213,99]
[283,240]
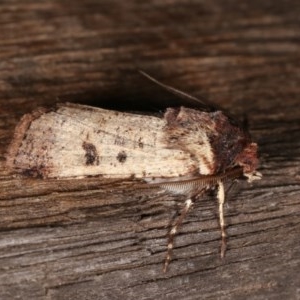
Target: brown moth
[185,150]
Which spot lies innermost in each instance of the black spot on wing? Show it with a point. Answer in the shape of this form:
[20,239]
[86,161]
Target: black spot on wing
[122,156]
[91,154]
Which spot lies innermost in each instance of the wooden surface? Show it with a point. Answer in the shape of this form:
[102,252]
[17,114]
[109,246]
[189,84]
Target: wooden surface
[95,239]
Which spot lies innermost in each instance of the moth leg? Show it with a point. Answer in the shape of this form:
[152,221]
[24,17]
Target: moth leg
[221,200]
[231,188]
[188,204]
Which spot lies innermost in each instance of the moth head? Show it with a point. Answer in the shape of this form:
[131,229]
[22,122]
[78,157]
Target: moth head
[248,160]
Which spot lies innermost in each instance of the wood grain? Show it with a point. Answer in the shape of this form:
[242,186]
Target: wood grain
[106,239]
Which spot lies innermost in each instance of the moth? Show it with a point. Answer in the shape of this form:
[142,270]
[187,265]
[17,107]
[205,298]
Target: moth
[184,150]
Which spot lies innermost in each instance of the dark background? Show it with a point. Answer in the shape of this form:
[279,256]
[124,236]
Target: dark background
[91,239]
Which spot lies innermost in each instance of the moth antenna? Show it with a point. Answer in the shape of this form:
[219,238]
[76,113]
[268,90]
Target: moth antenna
[221,200]
[195,185]
[203,103]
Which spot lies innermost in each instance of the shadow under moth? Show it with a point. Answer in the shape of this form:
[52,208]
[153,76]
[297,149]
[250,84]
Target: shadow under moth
[183,150]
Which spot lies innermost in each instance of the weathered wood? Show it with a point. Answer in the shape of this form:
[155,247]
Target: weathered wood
[106,239]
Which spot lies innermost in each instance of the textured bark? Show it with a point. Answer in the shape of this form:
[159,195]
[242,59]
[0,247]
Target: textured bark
[105,239]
